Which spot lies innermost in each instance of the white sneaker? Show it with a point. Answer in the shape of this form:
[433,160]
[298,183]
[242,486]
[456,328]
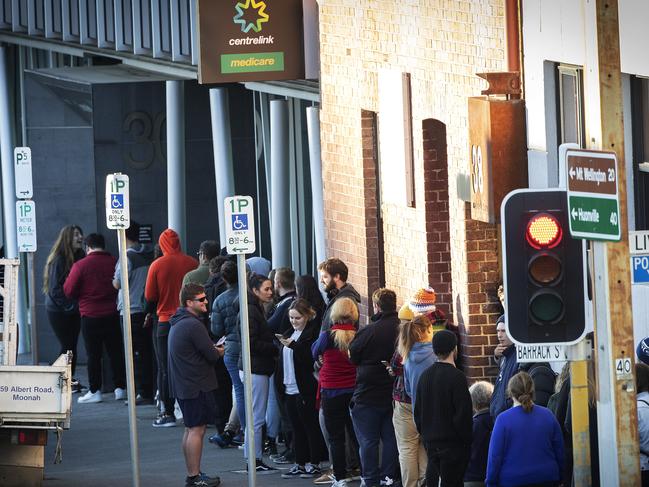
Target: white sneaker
[339,483]
[90,397]
[120,394]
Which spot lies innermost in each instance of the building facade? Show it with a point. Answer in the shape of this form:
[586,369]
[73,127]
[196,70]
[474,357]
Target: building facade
[395,79]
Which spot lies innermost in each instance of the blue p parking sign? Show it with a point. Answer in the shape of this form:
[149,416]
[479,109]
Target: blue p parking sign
[640,269]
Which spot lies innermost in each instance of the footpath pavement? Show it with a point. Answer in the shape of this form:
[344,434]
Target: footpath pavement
[96,451]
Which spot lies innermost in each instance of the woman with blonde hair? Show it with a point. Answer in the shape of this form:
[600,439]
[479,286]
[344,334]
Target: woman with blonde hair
[337,380]
[63,313]
[414,345]
[526,446]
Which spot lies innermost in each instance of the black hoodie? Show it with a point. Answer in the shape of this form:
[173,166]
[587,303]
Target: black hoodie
[371,345]
[347,291]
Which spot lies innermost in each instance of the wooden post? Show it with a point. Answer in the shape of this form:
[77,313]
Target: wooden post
[614,318]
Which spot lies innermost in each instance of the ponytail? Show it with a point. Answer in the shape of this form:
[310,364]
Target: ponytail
[521,388]
[411,332]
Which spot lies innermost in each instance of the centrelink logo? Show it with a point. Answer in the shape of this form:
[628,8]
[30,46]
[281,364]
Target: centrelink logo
[246,8]
[251,14]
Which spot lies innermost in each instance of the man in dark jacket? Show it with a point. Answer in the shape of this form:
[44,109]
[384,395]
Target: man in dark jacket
[333,275]
[541,373]
[90,282]
[284,288]
[225,323]
[192,380]
[443,414]
[371,405]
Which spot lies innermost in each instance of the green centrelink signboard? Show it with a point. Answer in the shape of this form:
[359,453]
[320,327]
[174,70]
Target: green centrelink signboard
[250,40]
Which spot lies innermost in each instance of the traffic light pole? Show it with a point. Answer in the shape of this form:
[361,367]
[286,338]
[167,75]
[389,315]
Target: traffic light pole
[613,313]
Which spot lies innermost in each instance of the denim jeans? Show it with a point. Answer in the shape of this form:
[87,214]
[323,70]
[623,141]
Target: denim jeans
[231,363]
[373,425]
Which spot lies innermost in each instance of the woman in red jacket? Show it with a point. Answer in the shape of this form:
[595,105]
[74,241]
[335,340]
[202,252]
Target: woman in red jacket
[337,380]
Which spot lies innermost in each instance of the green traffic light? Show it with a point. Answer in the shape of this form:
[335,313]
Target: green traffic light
[546,308]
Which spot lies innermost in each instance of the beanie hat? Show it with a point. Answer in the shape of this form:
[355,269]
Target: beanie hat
[444,342]
[423,301]
[405,313]
[642,351]
[501,319]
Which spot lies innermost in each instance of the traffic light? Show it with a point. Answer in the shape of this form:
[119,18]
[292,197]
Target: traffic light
[543,268]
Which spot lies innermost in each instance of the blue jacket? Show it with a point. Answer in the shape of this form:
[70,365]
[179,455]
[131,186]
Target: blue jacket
[508,368]
[421,357]
[225,320]
[525,448]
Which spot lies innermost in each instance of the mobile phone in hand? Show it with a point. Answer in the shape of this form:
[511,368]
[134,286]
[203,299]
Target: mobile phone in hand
[221,341]
[385,362]
[279,336]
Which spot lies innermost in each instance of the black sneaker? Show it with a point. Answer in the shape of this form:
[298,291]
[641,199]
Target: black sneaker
[283,460]
[76,386]
[164,421]
[238,440]
[295,472]
[270,447]
[195,481]
[263,469]
[211,481]
[311,471]
[223,440]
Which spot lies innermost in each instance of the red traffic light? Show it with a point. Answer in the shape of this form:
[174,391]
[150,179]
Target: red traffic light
[543,231]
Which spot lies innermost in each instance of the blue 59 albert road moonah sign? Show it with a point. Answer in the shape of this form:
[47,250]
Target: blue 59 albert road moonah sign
[239,225]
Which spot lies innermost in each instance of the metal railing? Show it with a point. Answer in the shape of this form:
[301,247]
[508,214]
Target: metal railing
[159,29]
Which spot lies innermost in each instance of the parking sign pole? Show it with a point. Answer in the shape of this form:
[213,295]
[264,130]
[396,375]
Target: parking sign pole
[247,369]
[239,225]
[118,218]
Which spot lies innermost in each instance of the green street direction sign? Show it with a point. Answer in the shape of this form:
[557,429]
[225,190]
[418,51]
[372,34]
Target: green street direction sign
[593,203]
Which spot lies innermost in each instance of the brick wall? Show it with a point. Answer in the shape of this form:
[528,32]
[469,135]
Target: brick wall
[442,45]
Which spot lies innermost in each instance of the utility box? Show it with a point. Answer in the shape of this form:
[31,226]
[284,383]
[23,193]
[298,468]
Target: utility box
[34,399]
[498,153]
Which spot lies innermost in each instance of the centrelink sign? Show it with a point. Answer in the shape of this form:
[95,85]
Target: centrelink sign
[250,40]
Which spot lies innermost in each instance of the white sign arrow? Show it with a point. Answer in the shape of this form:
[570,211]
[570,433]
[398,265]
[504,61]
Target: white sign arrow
[574,214]
[572,173]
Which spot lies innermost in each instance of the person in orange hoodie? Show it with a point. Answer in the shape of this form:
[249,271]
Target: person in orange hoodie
[163,284]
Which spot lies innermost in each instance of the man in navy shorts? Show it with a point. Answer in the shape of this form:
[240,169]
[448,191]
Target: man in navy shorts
[192,380]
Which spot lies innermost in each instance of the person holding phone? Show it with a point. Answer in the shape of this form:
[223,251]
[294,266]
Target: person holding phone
[296,384]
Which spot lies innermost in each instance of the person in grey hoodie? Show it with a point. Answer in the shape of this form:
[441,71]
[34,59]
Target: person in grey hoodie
[139,257]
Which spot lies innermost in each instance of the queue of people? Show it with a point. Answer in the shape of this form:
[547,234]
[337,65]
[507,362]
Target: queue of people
[382,402]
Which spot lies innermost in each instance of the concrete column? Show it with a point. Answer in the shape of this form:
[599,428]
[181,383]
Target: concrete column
[280,228]
[313,131]
[176,200]
[6,156]
[222,146]
[8,196]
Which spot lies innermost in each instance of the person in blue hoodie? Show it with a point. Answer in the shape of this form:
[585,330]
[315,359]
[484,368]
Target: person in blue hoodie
[415,341]
[414,345]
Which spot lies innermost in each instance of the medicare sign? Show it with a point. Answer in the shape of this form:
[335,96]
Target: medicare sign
[250,40]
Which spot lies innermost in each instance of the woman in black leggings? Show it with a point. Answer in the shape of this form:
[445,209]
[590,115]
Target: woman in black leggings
[62,312]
